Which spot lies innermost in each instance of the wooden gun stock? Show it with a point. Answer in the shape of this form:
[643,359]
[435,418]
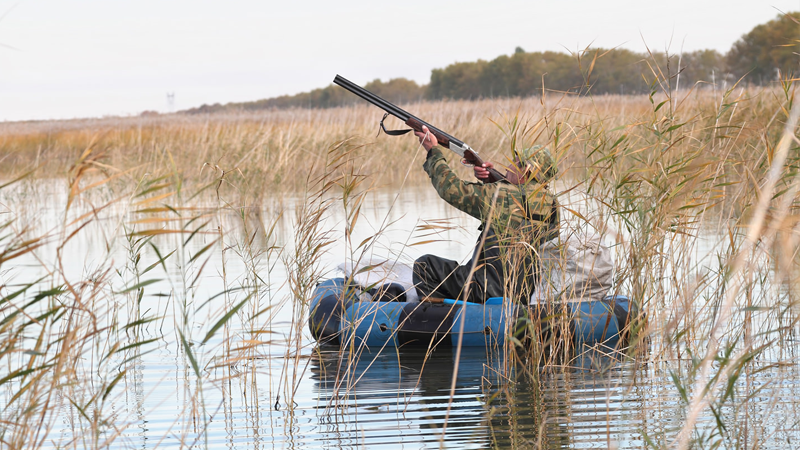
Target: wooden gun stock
[468,156]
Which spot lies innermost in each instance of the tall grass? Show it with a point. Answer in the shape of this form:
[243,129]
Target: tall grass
[696,189]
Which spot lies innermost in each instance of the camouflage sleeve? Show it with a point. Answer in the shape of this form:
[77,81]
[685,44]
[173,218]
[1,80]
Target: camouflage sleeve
[466,196]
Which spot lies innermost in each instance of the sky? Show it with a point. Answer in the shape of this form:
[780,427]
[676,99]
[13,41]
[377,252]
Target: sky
[62,59]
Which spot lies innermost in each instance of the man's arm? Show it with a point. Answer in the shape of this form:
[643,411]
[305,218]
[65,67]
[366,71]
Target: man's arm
[467,197]
[428,141]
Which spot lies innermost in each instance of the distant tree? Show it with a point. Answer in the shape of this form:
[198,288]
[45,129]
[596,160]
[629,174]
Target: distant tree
[519,50]
[701,66]
[459,80]
[397,90]
[498,77]
[767,49]
[616,71]
[558,71]
[524,74]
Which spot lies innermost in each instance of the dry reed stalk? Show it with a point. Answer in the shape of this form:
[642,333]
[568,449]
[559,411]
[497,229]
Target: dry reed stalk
[702,390]
[658,171]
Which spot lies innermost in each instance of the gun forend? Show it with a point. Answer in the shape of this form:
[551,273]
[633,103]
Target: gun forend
[467,154]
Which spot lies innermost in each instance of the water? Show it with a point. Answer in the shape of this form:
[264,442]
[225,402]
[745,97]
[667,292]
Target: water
[398,400]
[282,391]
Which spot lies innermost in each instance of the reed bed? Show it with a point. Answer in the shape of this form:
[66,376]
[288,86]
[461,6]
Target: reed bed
[697,191]
[274,150]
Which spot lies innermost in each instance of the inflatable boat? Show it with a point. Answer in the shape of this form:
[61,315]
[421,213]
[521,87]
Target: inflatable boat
[339,314]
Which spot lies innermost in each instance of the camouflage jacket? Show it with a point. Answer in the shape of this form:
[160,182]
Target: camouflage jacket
[529,209]
[524,216]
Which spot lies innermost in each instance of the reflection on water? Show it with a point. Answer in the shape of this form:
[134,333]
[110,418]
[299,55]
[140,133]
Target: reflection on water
[396,399]
[406,391]
[403,396]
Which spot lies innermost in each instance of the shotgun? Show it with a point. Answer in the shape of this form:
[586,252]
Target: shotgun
[467,154]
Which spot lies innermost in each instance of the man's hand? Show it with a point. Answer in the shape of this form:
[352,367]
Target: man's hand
[426,138]
[482,171]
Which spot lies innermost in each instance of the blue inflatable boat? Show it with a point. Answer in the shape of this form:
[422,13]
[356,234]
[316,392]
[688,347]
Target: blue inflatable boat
[338,317]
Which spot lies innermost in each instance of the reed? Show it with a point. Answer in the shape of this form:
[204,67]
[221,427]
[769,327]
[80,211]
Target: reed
[696,190]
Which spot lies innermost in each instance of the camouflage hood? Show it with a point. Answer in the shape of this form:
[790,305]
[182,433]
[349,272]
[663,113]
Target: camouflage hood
[543,166]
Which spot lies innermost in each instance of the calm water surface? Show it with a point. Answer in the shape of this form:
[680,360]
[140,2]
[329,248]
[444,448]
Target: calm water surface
[280,394]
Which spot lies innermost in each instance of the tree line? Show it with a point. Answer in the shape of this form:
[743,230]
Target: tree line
[760,57]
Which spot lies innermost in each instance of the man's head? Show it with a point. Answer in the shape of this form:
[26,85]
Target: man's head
[533,163]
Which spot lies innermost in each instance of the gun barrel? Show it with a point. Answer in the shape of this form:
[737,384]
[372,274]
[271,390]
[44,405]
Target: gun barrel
[395,111]
[372,98]
[415,123]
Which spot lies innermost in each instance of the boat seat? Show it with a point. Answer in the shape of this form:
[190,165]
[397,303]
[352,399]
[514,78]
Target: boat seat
[388,292]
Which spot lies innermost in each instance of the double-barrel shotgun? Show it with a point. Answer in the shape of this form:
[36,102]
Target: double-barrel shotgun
[467,154]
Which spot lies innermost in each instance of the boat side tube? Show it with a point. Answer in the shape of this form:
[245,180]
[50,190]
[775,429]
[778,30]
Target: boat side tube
[337,317]
[326,310]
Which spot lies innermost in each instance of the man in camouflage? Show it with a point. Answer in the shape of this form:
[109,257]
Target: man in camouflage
[517,214]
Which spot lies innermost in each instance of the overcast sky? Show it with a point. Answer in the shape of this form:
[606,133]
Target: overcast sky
[81,58]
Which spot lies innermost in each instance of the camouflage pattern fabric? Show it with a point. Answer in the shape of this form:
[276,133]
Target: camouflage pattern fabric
[475,198]
[543,166]
[524,216]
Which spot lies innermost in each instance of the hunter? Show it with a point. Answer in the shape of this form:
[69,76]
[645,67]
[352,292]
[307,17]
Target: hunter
[517,215]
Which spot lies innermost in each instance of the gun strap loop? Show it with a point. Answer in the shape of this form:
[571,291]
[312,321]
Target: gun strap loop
[392,132]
